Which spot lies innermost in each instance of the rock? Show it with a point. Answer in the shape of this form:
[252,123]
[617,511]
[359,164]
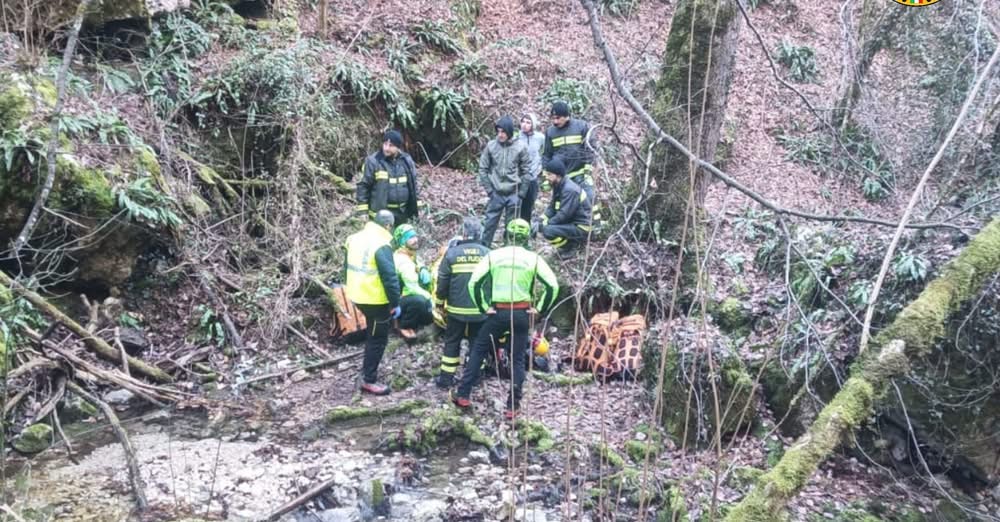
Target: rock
[531,514]
[342,514]
[429,511]
[299,376]
[75,409]
[479,457]
[732,316]
[34,439]
[118,397]
[134,340]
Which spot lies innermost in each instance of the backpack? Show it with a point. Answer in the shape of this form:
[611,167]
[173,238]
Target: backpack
[348,322]
[611,347]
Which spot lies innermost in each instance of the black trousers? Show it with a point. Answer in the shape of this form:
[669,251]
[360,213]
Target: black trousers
[564,236]
[497,206]
[376,337]
[454,332]
[528,203]
[415,312]
[493,328]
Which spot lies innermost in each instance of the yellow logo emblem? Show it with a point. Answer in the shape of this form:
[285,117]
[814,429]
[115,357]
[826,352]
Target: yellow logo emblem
[916,3]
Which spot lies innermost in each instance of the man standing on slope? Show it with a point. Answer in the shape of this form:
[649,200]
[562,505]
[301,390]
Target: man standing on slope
[566,139]
[504,171]
[372,285]
[502,285]
[416,307]
[534,141]
[452,292]
[389,182]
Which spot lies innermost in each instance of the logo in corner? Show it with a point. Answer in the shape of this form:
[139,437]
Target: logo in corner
[916,3]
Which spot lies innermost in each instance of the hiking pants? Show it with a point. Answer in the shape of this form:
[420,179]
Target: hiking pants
[415,312]
[376,337]
[527,205]
[564,236]
[586,183]
[493,328]
[454,332]
[498,204]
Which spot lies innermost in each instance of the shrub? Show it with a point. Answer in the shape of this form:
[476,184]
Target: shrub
[800,61]
[577,93]
[434,34]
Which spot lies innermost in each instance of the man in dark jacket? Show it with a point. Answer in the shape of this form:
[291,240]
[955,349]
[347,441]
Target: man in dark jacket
[389,181]
[452,292]
[566,139]
[566,222]
[505,173]
[373,286]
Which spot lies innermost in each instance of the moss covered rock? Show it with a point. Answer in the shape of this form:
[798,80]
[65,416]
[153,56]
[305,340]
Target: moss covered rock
[732,316]
[535,433]
[34,439]
[689,414]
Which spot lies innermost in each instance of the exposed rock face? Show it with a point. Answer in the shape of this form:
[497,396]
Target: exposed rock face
[100,12]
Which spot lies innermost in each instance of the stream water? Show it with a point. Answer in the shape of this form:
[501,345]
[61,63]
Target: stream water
[195,468]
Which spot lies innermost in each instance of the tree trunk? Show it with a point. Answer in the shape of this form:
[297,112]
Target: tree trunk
[688,103]
[916,328]
[874,33]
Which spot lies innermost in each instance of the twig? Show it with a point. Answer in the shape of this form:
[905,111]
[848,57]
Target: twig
[6,509]
[69,446]
[309,342]
[96,344]
[50,155]
[300,500]
[624,92]
[121,350]
[232,334]
[887,259]
[50,405]
[308,367]
[135,477]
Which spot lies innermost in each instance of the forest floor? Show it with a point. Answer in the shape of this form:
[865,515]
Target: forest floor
[239,452]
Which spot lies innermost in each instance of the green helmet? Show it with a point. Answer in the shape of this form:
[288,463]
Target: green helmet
[402,234]
[518,230]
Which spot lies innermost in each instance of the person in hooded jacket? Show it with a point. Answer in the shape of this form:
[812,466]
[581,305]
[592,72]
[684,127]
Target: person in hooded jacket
[505,173]
[534,141]
[389,182]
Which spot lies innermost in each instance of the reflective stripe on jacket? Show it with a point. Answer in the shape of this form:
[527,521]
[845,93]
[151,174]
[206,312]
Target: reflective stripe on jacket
[569,144]
[569,206]
[453,276]
[371,273]
[388,183]
[408,268]
[508,275]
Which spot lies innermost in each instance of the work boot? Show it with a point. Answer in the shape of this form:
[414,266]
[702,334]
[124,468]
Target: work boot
[444,380]
[374,388]
[462,402]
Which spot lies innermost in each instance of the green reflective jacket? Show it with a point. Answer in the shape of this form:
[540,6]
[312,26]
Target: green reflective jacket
[508,275]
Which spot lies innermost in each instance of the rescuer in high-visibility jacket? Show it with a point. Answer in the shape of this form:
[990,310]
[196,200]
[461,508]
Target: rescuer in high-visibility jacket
[566,139]
[452,293]
[416,303]
[372,285]
[502,286]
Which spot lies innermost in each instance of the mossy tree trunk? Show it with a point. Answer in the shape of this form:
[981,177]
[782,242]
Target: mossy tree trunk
[917,328]
[689,104]
[875,30]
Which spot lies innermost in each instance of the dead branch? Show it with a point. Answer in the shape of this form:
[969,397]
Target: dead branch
[94,343]
[626,93]
[50,155]
[300,500]
[308,367]
[232,334]
[54,398]
[917,192]
[134,476]
[911,335]
[309,342]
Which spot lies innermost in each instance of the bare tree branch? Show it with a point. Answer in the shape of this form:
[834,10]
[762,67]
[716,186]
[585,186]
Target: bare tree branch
[50,155]
[650,123]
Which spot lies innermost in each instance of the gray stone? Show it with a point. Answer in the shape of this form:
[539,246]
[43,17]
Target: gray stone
[118,397]
[34,439]
[432,510]
[479,456]
[342,514]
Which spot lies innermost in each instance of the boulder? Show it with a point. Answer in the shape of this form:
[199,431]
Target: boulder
[34,439]
[100,13]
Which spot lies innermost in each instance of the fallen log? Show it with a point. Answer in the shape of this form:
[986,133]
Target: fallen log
[300,500]
[94,343]
[308,367]
[911,335]
[134,476]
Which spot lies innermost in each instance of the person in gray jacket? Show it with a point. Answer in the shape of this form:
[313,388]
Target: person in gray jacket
[535,142]
[505,173]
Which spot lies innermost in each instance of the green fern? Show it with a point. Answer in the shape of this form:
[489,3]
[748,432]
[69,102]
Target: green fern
[434,34]
[145,204]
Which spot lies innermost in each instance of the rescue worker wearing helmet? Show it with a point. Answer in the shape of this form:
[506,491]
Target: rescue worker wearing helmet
[416,303]
[372,285]
[502,286]
[463,317]
[566,222]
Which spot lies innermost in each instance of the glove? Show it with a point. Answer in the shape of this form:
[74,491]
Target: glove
[424,277]
[395,312]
